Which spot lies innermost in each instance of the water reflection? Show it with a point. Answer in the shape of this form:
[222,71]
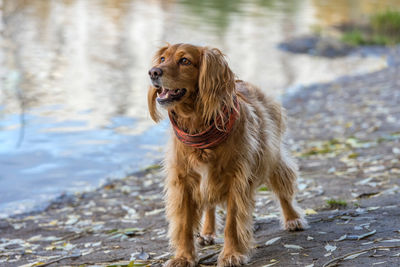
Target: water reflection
[74,78]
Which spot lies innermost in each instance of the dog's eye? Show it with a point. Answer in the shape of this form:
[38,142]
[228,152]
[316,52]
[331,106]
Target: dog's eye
[184,61]
[162,59]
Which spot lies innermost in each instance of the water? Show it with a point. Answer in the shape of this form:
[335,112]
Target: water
[73,109]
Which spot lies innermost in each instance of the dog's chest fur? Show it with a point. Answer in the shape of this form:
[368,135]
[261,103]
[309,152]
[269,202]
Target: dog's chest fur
[200,161]
[203,170]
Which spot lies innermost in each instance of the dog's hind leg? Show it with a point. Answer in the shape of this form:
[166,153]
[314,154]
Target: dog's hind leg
[207,235]
[283,183]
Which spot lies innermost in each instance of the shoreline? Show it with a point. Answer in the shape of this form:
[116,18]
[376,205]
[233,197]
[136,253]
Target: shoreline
[67,197]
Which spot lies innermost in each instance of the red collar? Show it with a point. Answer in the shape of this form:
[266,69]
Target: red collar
[212,136]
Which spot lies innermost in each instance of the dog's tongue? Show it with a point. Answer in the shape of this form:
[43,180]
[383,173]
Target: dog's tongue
[164,93]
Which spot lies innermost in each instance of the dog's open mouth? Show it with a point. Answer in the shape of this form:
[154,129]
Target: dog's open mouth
[165,95]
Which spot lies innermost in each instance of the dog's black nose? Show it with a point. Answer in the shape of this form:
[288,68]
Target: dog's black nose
[155,73]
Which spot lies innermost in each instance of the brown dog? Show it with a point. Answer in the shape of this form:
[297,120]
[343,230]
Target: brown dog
[227,142]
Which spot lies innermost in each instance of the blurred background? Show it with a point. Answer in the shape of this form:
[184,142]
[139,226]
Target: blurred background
[73,109]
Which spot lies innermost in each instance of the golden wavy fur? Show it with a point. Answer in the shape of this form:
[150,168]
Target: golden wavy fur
[195,84]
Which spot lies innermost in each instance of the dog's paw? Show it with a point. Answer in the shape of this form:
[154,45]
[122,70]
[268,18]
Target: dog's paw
[180,262]
[205,240]
[298,224]
[231,259]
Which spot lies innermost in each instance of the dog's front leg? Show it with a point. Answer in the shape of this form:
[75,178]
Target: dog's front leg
[183,213]
[238,229]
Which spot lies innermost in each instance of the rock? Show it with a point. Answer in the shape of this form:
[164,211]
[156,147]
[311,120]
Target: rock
[317,46]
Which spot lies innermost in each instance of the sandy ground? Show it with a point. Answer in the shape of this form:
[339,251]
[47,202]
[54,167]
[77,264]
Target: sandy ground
[346,137]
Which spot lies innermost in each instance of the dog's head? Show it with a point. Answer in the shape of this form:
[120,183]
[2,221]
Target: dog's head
[191,76]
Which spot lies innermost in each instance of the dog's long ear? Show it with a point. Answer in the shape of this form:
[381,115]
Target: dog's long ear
[152,93]
[152,104]
[216,84]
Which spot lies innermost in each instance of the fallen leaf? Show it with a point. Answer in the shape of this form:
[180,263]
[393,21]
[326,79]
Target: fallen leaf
[362,226]
[360,211]
[270,264]
[395,170]
[272,241]
[129,232]
[377,255]
[131,213]
[68,246]
[154,212]
[96,244]
[142,255]
[390,240]
[302,186]
[162,256]
[330,248]
[310,212]
[359,237]
[50,248]
[54,222]
[133,264]
[292,246]
[348,124]
[130,264]
[18,226]
[378,263]
[72,219]
[50,238]
[365,181]
[374,169]
[86,252]
[343,237]
[353,155]
[38,263]
[35,238]
[367,195]
[354,255]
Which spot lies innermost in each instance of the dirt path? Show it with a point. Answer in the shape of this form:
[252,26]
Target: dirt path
[346,136]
